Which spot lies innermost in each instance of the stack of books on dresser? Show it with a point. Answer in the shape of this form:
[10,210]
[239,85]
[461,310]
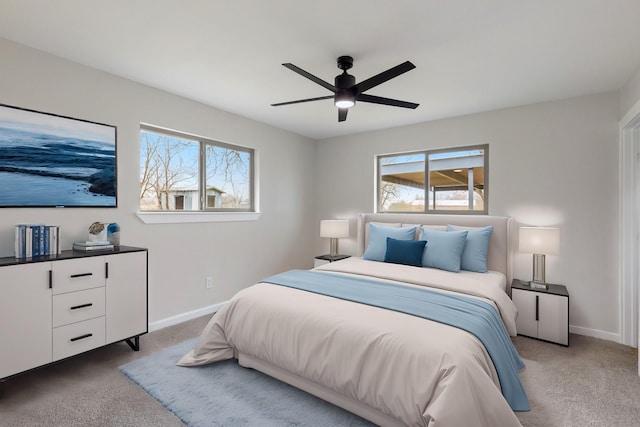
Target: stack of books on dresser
[91,246]
[33,240]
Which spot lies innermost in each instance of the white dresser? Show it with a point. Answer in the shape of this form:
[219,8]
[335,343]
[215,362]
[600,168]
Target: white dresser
[55,307]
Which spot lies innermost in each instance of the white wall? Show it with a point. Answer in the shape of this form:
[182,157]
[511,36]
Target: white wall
[549,164]
[235,254]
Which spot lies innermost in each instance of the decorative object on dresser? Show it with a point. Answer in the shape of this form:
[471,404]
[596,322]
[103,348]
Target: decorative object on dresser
[97,232]
[113,234]
[334,229]
[542,313]
[56,308]
[539,241]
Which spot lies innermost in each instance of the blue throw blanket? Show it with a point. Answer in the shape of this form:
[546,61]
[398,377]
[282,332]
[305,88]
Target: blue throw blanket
[470,314]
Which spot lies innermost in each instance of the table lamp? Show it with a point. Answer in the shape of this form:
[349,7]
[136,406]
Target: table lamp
[539,241]
[334,229]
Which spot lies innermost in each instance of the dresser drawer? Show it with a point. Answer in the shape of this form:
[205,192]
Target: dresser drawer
[78,274]
[78,337]
[75,307]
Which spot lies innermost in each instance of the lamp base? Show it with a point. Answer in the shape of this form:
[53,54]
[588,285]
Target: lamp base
[333,247]
[538,268]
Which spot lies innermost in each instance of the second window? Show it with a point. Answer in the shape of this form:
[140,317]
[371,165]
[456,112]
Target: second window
[443,181]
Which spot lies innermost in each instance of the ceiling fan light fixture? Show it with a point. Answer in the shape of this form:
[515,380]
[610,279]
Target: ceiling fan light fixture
[344,99]
[344,103]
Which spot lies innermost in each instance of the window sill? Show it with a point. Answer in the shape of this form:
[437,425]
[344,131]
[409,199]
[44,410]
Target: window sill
[185,217]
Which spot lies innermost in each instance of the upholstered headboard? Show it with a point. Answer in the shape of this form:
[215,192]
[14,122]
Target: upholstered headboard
[500,252]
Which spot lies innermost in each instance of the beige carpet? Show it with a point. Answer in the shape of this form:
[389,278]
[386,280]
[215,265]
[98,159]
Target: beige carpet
[591,383]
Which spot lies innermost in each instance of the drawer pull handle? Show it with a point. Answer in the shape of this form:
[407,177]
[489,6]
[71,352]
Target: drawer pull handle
[81,337]
[75,307]
[73,276]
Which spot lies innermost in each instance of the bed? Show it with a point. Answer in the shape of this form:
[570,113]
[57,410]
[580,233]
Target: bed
[341,333]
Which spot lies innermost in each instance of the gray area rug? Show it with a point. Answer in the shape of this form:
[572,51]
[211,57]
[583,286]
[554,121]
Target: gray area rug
[226,394]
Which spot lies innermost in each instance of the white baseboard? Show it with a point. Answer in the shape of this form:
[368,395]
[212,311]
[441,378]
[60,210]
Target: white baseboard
[179,318]
[609,336]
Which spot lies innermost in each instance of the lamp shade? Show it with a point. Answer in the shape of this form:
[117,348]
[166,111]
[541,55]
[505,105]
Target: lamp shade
[540,240]
[334,228]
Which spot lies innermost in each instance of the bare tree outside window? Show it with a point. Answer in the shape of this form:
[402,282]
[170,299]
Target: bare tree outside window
[388,193]
[167,164]
[229,171]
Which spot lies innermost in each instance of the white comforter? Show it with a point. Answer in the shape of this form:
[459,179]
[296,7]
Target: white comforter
[420,372]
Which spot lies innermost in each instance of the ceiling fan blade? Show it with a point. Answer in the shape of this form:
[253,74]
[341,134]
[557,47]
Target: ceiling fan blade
[342,114]
[302,100]
[385,101]
[311,77]
[384,76]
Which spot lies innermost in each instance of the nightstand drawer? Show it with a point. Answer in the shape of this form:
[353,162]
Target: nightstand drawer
[78,337]
[75,307]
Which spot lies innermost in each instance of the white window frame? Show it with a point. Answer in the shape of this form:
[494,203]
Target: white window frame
[428,209]
[207,215]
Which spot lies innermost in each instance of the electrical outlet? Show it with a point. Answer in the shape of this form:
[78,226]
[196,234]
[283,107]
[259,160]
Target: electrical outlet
[208,282]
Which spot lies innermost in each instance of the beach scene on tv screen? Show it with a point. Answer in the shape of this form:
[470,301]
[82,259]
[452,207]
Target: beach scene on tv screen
[47,160]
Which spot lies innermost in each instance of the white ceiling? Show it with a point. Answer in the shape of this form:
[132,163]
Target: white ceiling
[471,55]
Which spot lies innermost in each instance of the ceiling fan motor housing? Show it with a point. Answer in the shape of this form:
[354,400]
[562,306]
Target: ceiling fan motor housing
[344,81]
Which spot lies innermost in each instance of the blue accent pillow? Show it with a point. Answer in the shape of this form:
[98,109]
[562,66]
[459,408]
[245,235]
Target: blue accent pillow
[476,248]
[408,252]
[444,248]
[378,239]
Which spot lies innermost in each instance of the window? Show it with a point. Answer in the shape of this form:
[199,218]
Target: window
[456,181]
[180,172]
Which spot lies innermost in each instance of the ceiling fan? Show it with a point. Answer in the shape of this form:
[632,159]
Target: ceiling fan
[347,92]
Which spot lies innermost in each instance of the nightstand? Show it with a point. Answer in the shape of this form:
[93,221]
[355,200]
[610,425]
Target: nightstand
[324,259]
[542,313]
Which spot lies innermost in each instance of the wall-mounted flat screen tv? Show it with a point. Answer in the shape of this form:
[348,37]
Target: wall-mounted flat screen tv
[47,160]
